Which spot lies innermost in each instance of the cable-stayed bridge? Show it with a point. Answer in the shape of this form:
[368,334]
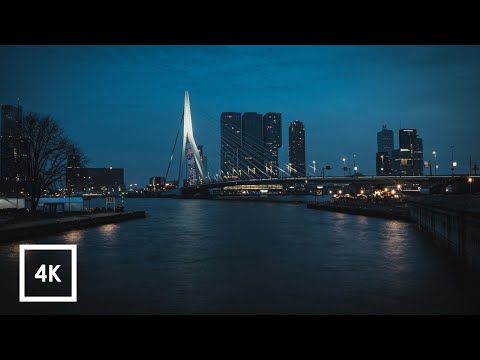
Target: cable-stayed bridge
[248,171]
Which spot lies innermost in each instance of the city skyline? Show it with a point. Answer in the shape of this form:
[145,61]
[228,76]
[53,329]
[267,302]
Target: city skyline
[123,103]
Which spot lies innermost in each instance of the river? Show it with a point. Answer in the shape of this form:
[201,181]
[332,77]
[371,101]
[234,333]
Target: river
[241,257]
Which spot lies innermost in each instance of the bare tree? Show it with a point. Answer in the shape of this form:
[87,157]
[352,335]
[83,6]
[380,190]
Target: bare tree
[44,151]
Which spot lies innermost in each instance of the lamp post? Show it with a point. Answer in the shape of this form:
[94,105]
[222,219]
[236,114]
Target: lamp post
[381,169]
[344,167]
[470,180]
[354,166]
[314,169]
[435,162]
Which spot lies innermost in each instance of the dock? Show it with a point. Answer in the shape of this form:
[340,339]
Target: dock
[46,227]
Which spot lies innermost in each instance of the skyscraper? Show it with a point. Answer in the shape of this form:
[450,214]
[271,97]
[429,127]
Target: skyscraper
[408,159]
[296,149]
[272,134]
[385,145]
[231,141]
[253,147]
[10,154]
[385,140]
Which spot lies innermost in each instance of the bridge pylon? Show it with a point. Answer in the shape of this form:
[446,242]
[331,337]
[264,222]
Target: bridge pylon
[188,137]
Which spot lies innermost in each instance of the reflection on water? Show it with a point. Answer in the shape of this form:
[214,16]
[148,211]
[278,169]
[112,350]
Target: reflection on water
[339,221]
[109,231]
[395,244]
[73,236]
[12,250]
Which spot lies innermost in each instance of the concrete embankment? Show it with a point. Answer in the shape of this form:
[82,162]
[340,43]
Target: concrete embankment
[452,221]
[366,209]
[57,225]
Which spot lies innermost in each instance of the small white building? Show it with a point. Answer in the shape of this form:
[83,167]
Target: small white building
[60,204]
[12,203]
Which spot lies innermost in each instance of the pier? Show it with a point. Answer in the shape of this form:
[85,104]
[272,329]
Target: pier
[46,227]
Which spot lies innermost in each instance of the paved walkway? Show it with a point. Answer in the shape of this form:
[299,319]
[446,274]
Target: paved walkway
[67,219]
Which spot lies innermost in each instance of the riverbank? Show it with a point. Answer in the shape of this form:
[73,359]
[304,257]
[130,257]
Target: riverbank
[356,207]
[57,225]
[452,222]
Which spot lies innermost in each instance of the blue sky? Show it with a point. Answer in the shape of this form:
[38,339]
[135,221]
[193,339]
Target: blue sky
[123,104]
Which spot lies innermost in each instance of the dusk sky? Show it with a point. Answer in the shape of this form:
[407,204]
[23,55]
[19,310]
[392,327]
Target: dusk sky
[123,104]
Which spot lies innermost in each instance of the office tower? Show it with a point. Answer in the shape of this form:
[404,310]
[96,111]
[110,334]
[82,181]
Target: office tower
[296,149]
[408,159]
[10,151]
[272,134]
[231,142]
[252,154]
[385,145]
[385,140]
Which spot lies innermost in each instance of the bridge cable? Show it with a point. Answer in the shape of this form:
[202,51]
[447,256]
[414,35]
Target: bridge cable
[174,145]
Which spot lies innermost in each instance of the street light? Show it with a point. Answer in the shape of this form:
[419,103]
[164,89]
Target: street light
[354,166]
[314,169]
[435,162]
[344,167]
[470,180]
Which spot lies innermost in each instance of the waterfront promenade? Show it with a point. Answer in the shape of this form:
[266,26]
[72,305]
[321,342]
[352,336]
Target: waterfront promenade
[50,226]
